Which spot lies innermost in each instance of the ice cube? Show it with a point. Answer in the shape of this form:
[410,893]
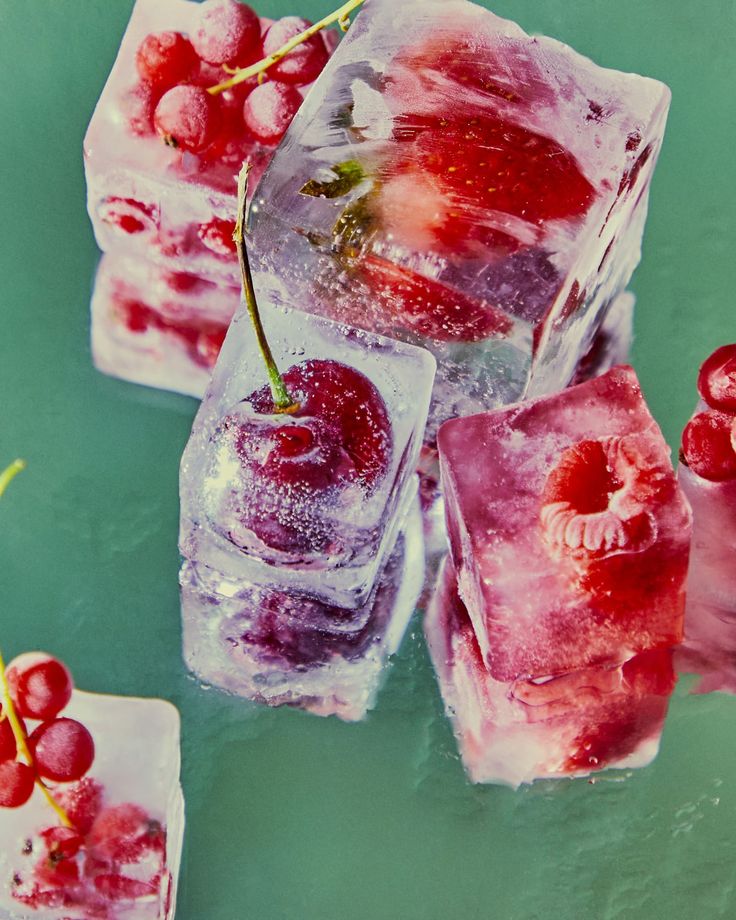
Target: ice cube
[157,200]
[567,528]
[454,182]
[569,724]
[279,646]
[157,327]
[133,782]
[312,500]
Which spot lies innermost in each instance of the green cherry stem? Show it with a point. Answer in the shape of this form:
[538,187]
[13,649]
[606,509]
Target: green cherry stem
[282,401]
[21,739]
[340,16]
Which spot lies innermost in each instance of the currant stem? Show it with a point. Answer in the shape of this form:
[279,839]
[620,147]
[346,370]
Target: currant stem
[9,474]
[340,17]
[281,398]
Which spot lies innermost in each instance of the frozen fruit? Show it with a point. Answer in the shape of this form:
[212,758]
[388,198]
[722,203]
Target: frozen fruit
[41,686]
[217,236]
[708,445]
[302,64]
[227,32]
[63,750]
[8,747]
[16,783]
[82,802]
[269,109]
[165,58]
[137,106]
[125,833]
[717,379]
[187,117]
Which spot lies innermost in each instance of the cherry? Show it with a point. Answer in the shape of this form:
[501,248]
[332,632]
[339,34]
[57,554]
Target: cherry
[717,379]
[40,686]
[302,64]
[708,445]
[217,236]
[16,783]
[269,109]
[187,117]
[124,834]
[8,747]
[227,32]
[165,58]
[63,750]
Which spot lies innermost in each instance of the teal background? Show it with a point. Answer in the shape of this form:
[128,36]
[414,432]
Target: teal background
[292,817]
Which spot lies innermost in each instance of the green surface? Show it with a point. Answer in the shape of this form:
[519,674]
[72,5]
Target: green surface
[291,817]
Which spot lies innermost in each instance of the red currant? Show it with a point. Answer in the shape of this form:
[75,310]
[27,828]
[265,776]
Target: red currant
[63,750]
[717,379]
[82,802]
[137,106]
[16,783]
[40,686]
[708,445]
[269,109]
[8,747]
[125,833]
[227,32]
[305,62]
[187,117]
[165,58]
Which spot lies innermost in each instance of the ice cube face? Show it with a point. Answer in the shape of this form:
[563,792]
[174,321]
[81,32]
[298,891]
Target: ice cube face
[567,528]
[455,182]
[260,499]
[282,647]
[572,724]
[136,770]
[158,202]
[157,327]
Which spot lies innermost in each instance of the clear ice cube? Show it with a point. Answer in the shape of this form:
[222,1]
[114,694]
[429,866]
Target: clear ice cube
[454,182]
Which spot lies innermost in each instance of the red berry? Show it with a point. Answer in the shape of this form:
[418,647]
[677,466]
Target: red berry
[165,58]
[717,379]
[208,345]
[63,750]
[187,117]
[116,887]
[708,445]
[305,62]
[136,106]
[185,282]
[8,747]
[128,215]
[16,783]
[82,802]
[62,842]
[269,109]
[227,32]
[217,236]
[125,833]
[40,686]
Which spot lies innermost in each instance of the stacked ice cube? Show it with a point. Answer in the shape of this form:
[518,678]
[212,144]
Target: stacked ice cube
[162,203]
[303,559]
[122,860]
[551,631]
[456,183]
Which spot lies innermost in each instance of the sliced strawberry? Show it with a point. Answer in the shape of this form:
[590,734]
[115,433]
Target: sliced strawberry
[717,379]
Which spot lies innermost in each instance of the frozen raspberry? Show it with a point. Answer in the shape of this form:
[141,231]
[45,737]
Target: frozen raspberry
[125,834]
[16,783]
[269,109]
[227,32]
[187,117]
[82,802]
[165,58]
[128,215]
[217,236]
[63,750]
[137,106]
[717,379]
[305,62]
[708,445]
[40,686]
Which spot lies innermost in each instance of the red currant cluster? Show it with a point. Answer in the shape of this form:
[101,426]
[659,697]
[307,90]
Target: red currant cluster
[709,439]
[59,749]
[176,71]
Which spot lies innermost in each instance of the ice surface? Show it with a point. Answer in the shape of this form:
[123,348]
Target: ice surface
[156,327]
[136,761]
[567,528]
[284,647]
[454,182]
[336,543]
[568,724]
[151,200]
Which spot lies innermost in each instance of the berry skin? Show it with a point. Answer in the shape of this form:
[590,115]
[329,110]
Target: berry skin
[137,106]
[165,58]
[304,63]
[217,236]
[16,783]
[717,379]
[82,802]
[125,834]
[708,445]
[227,32]
[63,750]
[269,109]
[187,117]
[40,686]
[8,747]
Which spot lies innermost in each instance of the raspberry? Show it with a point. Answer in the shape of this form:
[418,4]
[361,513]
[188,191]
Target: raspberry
[305,62]
[165,58]
[269,109]
[227,32]
[717,379]
[708,445]
[187,117]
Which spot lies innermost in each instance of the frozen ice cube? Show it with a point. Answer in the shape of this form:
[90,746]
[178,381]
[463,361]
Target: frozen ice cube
[310,500]
[134,780]
[567,528]
[279,646]
[569,724]
[454,182]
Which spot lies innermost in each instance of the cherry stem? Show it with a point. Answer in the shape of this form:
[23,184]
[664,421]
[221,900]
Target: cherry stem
[282,401]
[340,16]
